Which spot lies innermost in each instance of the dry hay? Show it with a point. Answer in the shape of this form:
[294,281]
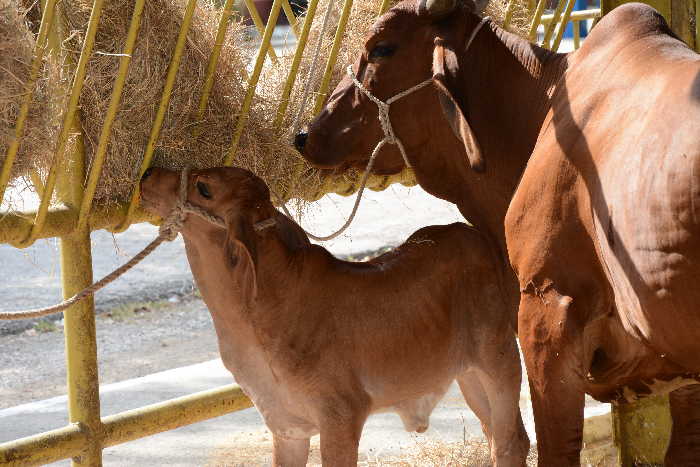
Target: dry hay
[184,141]
[16,48]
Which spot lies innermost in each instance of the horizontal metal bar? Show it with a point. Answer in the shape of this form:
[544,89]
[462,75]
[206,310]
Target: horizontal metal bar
[71,440]
[576,15]
[60,221]
[44,448]
[171,414]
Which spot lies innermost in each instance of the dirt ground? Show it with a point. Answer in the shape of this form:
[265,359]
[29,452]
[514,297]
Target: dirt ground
[133,340]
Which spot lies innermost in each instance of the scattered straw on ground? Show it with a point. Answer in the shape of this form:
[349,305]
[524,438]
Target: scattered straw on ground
[184,139]
[255,449]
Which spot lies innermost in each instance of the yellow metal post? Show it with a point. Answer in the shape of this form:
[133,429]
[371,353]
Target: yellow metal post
[294,68]
[253,81]
[562,25]
[81,343]
[383,7]
[76,259]
[333,56]
[549,28]
[260,26]
[508,17]
[641,431]
[226,13]
[536,18]
[162,109]
[48,8]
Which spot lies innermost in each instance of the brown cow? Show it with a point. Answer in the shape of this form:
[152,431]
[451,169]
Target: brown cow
[603,228]
[318,343]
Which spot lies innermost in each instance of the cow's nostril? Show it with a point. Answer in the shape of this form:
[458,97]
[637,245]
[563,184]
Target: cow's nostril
[300,140]
[147,173]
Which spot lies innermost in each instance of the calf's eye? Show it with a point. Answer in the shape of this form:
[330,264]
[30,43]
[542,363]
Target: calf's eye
[381,50]
[203,190]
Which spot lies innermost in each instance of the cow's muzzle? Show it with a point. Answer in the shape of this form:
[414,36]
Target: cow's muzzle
[300,140]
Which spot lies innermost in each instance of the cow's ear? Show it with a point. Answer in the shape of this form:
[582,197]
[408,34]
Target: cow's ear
[241,253]
[444,63]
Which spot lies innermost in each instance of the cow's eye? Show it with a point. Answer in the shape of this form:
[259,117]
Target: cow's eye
[203,190]
[381,50]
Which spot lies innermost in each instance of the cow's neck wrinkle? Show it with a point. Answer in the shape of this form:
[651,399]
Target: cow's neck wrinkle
[508,86]
[239,346]
[279,262]
[506,83]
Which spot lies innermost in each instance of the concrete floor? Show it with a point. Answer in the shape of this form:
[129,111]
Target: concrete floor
[232,438]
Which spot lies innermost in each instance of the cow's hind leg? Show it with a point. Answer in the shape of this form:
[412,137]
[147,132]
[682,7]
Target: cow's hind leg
[289,452]
[493,393]
[684,448]
[548,329]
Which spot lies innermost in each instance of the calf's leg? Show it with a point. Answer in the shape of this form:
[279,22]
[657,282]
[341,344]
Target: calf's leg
[289,452]
[493,393]
[341,428]
[684,448]
[548,330]
[475,395]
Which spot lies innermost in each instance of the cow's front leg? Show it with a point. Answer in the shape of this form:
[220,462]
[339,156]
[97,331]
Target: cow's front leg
[341,428]
[550,339]
[684,448]
[289,452]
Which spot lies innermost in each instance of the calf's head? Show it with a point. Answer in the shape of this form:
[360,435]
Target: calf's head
[235,195]
[412,42]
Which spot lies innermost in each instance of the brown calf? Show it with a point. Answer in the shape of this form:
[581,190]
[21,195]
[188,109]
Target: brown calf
[318,343]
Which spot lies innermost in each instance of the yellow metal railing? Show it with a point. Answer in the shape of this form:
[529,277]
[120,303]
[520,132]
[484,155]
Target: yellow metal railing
[74,216]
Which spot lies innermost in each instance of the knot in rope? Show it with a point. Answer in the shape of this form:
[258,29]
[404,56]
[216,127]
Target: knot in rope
[172,225]
[383,109]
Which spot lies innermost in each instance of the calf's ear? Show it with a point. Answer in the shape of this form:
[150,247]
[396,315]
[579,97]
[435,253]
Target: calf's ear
[241,253]
[444,65]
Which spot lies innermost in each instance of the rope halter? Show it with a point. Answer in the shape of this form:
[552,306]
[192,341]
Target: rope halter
[384,107]
[172,225]
[383,113]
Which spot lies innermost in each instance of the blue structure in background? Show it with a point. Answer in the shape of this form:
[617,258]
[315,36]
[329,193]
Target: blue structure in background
[569,32]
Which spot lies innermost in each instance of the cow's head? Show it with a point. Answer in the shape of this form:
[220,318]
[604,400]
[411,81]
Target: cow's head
[412,42]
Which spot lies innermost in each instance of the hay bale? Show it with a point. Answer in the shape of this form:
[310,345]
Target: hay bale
[16,49]
[183,140]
